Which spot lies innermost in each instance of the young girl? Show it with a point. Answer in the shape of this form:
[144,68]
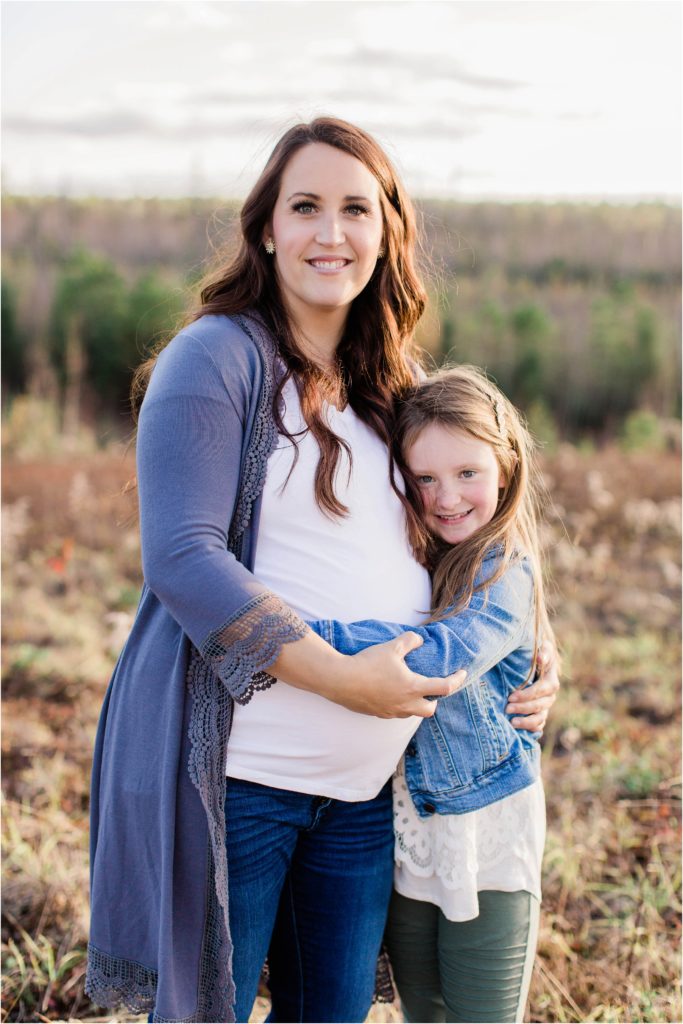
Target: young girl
[469,812]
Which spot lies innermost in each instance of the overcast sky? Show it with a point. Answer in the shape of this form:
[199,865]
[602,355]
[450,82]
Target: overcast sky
[485,99]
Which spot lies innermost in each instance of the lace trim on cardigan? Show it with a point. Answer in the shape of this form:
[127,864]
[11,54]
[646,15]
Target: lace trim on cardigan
[385,991]
[112,980]
[250,639]
[263,436]
[210,722]
[230,666]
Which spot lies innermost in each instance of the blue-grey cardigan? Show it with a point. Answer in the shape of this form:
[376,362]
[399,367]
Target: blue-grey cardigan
[204,631]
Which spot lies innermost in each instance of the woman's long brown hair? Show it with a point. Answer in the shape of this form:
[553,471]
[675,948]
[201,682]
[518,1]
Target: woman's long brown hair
[465,399]
[376,352]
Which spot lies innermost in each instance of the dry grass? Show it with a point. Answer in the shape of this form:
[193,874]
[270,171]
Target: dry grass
[611,926]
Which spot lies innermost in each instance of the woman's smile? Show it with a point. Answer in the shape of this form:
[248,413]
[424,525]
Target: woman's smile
[329,264]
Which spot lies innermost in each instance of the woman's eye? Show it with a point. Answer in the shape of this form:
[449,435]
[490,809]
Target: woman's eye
[357,210]
[303,207]
[424,480]
[467,474]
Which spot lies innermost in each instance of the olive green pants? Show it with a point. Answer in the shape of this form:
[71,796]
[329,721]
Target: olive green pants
[477,970]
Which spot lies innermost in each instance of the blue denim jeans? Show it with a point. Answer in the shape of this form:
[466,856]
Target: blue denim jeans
[309,886]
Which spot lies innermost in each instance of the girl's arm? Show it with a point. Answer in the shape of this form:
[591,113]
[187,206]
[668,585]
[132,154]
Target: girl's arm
[496,621]
[475,640]
[189,459]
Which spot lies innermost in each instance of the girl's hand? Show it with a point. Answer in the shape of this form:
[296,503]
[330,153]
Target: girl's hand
[535,701]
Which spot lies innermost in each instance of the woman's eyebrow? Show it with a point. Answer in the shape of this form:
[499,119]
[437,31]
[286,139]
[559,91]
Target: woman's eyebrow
[312,195]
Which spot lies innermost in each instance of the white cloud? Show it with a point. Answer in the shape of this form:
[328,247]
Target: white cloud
[177,16]
[522,97]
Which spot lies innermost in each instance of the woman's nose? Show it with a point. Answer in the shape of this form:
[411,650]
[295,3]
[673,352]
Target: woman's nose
[330,231]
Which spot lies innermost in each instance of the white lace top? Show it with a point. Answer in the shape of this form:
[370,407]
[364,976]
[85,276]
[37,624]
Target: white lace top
[447,859]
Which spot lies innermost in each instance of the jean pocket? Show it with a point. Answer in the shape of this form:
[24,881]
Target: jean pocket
[491,726]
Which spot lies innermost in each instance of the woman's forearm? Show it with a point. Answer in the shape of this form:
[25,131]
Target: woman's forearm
[376,681]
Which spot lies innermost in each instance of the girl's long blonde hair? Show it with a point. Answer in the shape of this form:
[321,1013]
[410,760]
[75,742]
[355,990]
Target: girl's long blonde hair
[464,398]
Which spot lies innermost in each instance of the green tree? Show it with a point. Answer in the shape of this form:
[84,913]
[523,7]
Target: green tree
[531,332]
[623,358]
[91,294]
[153,310]
[114,326]
[14,362]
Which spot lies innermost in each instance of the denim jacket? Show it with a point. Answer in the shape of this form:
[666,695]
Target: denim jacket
[468,754]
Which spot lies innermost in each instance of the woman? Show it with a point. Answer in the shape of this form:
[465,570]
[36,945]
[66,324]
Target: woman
[264,478]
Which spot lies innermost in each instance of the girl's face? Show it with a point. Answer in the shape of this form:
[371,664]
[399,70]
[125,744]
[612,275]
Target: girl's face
[327,227]
[459,479]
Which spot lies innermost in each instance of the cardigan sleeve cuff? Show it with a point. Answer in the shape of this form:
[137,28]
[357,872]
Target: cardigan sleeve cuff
[251,640]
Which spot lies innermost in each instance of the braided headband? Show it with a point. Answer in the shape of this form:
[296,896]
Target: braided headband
[499,412]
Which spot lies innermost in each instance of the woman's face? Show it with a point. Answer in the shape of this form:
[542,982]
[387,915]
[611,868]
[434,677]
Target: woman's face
[459,480]
[327,227]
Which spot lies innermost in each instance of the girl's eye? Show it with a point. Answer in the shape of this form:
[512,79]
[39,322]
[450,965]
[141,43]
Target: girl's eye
[357,210]
[303,207]
[424,480]
[467,474]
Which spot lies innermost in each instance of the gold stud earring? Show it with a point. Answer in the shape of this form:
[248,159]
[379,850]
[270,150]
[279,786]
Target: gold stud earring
[270,246]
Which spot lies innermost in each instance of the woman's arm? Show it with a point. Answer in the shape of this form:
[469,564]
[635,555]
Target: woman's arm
[189,460]
[374,681]
[534,702]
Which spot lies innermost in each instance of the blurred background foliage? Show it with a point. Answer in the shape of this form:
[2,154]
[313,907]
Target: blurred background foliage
[573,308]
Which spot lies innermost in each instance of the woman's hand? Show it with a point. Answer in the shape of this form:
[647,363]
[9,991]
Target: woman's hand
[381,684]
[376,681]
[535,701]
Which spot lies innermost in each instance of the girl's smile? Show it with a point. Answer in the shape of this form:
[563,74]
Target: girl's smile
[459,479]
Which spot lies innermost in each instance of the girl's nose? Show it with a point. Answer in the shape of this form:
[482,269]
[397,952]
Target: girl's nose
[448,497]
[330,231]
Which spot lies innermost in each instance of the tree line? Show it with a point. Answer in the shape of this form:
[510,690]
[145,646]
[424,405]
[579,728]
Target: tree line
[576,340]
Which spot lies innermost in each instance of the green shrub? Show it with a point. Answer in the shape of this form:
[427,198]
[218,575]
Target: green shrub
[642,431]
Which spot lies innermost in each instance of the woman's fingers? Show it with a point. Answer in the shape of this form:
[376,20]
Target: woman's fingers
[405,643]
[436,688]
[544,656]
[539,697]
[381,683]
[548,665]
[444,687]
[547,688]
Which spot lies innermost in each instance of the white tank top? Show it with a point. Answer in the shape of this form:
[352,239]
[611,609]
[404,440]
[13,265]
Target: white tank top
[356,567]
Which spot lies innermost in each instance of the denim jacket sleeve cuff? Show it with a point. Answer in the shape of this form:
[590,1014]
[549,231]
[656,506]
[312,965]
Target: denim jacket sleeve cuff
[324,628]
